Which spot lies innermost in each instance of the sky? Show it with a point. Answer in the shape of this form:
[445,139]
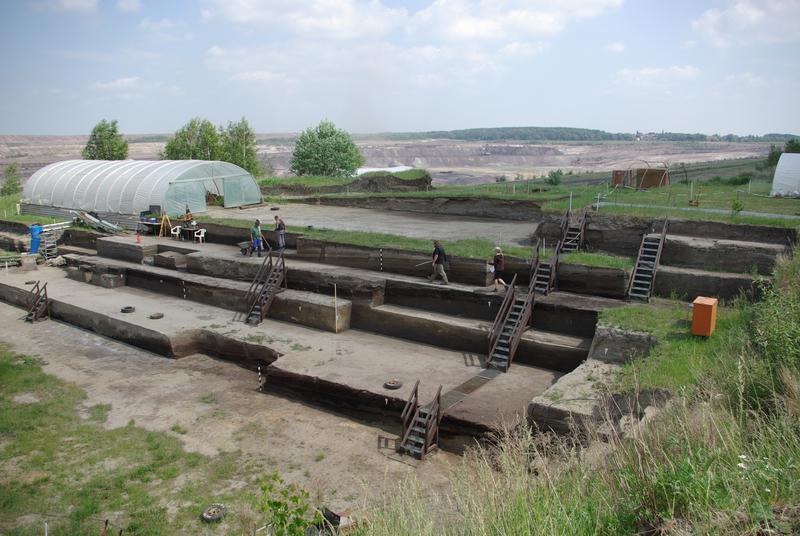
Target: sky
[716,66]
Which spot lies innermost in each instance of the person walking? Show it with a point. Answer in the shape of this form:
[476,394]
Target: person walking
[439,258]
[499,263]
[280,231]
[256,238]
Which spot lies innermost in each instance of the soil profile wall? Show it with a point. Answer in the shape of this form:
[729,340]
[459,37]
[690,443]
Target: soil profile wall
[454,206]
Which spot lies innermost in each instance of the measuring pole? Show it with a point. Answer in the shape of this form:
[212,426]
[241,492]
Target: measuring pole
[335,312]
[570,201]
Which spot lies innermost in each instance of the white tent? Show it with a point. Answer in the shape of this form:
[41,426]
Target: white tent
[133,186]
[786,182]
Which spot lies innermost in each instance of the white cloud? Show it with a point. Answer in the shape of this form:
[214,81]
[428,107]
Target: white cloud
[509,20]
[616,47]
[517,49]
[749,22]
[337,19]
[129,6]
[166,29]
[746,78]
[260,76]
[117,84]
[647,76]
[67,5]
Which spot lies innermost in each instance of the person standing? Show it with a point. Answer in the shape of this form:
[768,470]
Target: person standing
[439,258]
[36,231]
[499,263]
[280,231]
[256,238]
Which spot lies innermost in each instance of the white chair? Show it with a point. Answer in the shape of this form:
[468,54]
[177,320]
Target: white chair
[200,235]
[176,232]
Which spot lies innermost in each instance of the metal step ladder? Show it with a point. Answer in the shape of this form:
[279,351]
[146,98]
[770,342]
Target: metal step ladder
[573,234]
[644,273]
[266,284]
[38,303]
[420,425]
[541,278]
[510,323]
[49,246]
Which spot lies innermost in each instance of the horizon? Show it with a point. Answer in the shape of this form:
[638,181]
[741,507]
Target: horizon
[392,66]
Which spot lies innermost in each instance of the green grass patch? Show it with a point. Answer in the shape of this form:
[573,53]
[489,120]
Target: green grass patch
[8,210]
[599,260]
[680,359]
[208,398]
[99,412]
[178,429]
[472,248]
[74,473]
[307,181]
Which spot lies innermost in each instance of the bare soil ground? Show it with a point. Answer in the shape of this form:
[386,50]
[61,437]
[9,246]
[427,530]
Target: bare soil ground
[467,161]
[334,456]
[411,224]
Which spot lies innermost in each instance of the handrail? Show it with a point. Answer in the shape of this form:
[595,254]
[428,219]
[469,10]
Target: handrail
[534,261]
[280,267]
[658,254]
[582,226]
[519,327]
[565,222]
[551,283]
[33,294]
[502,312]
[248,297]
[432,424]
[413,402]
[34,297]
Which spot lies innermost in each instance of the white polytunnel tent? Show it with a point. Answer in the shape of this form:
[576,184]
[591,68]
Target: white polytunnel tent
[786,182]
[135,186]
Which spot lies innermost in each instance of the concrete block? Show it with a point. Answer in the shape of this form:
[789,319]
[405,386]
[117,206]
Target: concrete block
[28,263]
[109,280]
[170,259]
[615,345]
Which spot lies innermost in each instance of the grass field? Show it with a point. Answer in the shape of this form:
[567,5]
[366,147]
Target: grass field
[71,471]
[716,185]
[473,248]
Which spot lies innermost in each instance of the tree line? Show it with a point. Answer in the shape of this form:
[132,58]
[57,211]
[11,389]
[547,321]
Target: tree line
[536,134]
[321,150]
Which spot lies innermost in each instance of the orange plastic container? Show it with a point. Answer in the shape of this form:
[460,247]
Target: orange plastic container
[704,316]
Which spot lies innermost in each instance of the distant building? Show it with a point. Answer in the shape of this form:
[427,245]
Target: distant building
[786,181]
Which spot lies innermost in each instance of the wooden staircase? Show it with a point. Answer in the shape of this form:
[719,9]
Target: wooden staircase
[420,425]
[544,276]
[266,284]
[572,234]
[510,323]
[38,303]
[640,286]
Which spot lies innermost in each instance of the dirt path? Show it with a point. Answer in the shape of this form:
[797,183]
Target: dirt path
[334,456]
[411,224]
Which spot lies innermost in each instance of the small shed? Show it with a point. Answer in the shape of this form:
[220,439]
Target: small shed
[641,178]
[123,189]
[786,181]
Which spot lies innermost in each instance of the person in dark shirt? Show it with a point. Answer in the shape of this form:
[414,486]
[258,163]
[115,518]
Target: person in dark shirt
[280,231]
[439,258]
[499,263]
